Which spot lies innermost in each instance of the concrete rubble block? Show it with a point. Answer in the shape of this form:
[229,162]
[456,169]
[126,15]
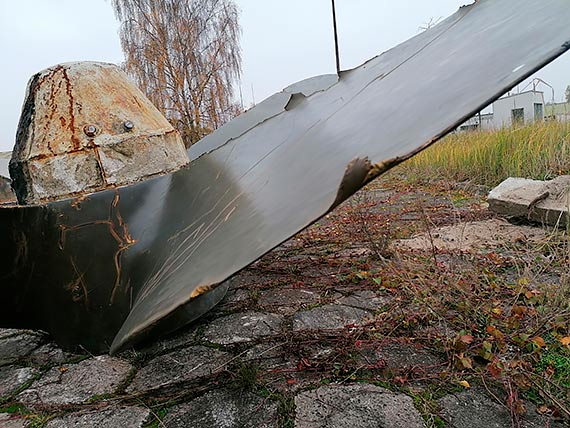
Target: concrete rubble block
[243,327]
[77,383]
[474,408]
[224,408]
[185,365]
[13,378]
[8,420]
[19,344]
[85,127]
[329,317]
[355,406]
[546,202]
[123,417]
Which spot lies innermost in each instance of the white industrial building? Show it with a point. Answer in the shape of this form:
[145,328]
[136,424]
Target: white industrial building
[510,110]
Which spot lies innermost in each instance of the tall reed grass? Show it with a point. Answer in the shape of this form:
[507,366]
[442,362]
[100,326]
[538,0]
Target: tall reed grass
[539,151]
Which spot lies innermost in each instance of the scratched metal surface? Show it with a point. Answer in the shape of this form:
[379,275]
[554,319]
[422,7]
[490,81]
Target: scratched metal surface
[165,242]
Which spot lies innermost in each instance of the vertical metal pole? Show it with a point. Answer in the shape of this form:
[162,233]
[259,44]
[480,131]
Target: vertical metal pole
[335,39]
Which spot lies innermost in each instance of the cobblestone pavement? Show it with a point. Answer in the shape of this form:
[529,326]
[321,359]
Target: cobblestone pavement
[277,352]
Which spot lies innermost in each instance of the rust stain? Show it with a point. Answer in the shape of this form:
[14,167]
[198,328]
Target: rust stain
[68,89]
[78,201]
[201,290]
[118,230]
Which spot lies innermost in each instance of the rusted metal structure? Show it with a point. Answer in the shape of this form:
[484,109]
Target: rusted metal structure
[129,259]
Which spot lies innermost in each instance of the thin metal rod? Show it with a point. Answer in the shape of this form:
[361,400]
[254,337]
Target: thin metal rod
[335,39]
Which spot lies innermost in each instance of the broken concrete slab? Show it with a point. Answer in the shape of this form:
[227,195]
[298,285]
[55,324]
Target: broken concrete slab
[123,417]
[355,406]
[474,408]
[329,317]
[13,378]
[77,383]
[243,327]
[224,408]
[477,235]
[17,344]
[179,366]
[545,202]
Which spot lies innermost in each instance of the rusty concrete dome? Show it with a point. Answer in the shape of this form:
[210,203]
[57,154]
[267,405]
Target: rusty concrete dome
[86,127]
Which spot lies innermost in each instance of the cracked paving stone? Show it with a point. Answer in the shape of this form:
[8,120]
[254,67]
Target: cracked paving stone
[8,420]
[286,301]
[12,378]
[329,317]
[224,409]
[475,409]
[355,406]
[365,299]
[77,383]
[19,344]
[123,417]
[179,366]
[243,327]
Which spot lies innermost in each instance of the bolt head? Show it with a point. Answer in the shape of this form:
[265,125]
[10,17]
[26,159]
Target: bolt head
[90,130]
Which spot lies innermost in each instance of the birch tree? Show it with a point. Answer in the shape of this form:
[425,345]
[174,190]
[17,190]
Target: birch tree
[186,56]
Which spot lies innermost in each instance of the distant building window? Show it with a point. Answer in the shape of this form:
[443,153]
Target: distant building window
[538,111]
[517,116]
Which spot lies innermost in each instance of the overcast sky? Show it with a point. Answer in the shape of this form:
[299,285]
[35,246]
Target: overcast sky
[283,41]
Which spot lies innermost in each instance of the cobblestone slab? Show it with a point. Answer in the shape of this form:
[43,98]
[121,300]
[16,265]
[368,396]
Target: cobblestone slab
[77,383]
[224,409]
[180,366]
[365,299]
[243,327]
[355,406]
[329,317]
[286,301]
[475,409]
[123,417]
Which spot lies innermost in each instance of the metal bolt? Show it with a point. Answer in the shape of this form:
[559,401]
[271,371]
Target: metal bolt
[90,130]
[128,125]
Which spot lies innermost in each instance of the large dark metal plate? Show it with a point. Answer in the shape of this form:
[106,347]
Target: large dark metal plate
[137,259]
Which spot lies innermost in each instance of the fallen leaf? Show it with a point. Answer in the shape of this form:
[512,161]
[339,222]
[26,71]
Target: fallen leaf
[565,341]
[538,341]
[464,383]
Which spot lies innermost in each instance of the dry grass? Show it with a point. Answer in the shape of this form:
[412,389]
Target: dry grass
[539,151]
